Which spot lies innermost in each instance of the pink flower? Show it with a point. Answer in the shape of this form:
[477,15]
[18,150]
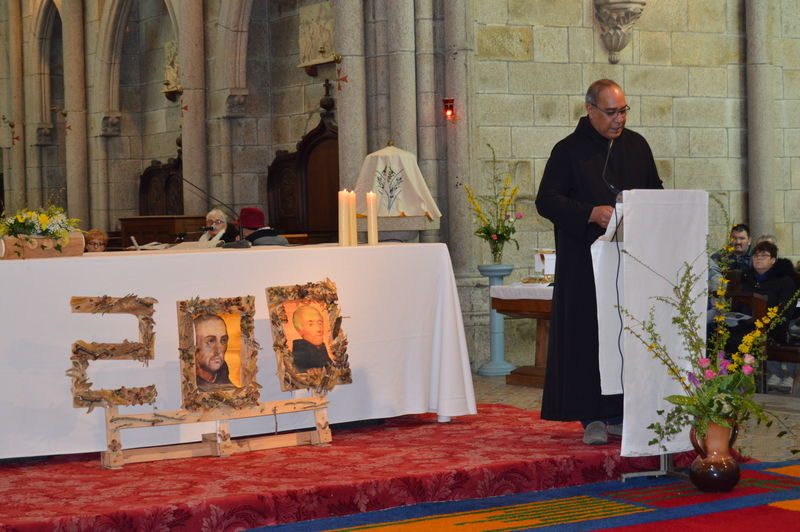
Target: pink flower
[704,362]
[494,236]
[520,216]
[709,374]
[749,359]
[747,370]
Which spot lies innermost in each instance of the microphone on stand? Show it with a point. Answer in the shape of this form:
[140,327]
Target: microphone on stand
[242,242]
[612,188]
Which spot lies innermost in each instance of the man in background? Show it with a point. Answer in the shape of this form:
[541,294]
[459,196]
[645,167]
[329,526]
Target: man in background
[255,230]
[742,257]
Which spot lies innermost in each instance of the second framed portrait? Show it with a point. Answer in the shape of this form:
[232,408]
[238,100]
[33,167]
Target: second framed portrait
[218,353]
[310,345]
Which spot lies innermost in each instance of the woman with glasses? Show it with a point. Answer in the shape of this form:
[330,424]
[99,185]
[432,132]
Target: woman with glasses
[774,278]
[218,229]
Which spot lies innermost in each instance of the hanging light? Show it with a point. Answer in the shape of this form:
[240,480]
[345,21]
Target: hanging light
[449,109]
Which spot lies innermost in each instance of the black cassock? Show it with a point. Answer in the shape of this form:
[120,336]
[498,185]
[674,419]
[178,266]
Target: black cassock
[571,186]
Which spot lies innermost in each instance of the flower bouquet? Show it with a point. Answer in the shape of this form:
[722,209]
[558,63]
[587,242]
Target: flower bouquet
[495,214]
[40,233]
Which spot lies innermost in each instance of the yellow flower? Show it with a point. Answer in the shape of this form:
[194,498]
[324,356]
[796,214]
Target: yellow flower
[719,318]
[772,312]
[758,324]
[44,220]
[732,367]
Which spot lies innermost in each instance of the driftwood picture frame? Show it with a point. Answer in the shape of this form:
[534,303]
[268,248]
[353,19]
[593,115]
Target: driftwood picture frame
[218,353]
[83,395]
[309,343]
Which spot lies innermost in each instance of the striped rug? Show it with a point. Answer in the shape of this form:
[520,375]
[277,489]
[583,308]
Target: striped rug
[767,498]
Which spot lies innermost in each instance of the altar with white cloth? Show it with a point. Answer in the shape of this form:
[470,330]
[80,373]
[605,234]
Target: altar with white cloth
[402,317]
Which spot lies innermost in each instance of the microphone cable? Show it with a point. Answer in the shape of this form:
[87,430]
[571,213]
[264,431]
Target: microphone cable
[615,238]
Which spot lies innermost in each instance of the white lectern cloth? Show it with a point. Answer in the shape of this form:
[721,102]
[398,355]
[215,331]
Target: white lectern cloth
[664,229]
[406,195]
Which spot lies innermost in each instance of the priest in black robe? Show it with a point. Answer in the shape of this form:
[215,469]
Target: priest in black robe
[578,197]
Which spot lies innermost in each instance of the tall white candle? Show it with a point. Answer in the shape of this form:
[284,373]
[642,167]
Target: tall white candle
[344,232]
[353,224]
[372,218]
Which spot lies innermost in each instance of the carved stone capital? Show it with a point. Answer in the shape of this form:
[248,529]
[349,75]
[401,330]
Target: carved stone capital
[44,135]
[235,105]
[110,126]
[616,18]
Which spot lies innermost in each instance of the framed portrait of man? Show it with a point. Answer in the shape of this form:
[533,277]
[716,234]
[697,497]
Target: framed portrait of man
[310,345]
[218,353]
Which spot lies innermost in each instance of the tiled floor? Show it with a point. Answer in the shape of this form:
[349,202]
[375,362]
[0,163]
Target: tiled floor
[759,442]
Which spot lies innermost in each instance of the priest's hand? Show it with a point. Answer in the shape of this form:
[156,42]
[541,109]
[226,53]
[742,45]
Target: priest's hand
[601,215]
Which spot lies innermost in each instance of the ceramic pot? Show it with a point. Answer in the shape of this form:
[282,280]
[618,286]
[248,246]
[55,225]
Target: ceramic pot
[714,469]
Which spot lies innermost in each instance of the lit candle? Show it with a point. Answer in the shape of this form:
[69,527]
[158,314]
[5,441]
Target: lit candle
[344,232]
[372,218]
[352,223]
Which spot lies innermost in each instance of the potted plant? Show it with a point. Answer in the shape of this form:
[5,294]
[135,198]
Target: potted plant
[718,384]
[495,213]
[40,233]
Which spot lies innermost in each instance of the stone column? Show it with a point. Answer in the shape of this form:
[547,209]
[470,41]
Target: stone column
[15,186]
[75,108]
[351,100]
[193,123]
[402,72]
[427,105]
[458,51]
[760,120]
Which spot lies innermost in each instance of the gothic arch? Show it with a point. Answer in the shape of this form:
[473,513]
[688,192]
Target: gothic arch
[44,19]
[109,51]
[229,74]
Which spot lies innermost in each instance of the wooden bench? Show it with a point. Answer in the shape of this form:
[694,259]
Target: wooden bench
[775,351]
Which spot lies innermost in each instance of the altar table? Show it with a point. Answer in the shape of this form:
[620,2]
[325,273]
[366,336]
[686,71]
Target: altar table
[402,318]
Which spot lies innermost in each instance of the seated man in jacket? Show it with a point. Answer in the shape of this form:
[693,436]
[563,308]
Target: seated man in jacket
[256,231]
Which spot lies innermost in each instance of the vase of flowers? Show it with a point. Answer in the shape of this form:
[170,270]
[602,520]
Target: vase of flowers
[718,381]
[40,234]
[495,213]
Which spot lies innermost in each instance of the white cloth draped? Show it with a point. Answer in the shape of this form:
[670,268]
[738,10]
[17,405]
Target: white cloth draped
[393,174]
[402,317]
[664,230]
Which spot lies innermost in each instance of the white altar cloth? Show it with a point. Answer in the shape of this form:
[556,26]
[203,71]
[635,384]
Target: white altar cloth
[522,291]
[401,311]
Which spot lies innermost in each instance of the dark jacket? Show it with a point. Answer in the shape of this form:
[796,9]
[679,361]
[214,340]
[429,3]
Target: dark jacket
[307,355]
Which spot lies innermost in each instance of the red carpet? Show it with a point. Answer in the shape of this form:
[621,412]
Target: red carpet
[405,460]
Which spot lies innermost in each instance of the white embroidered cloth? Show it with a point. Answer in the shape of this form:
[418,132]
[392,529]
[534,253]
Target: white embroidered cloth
[393,174]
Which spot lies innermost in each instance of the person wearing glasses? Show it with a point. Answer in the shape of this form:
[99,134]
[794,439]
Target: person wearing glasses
[96,240]
[218,229]
[773,277]
[581,181]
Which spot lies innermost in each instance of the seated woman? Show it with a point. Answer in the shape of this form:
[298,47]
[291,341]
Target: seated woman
[96,240]
[218,228]
[770,277]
